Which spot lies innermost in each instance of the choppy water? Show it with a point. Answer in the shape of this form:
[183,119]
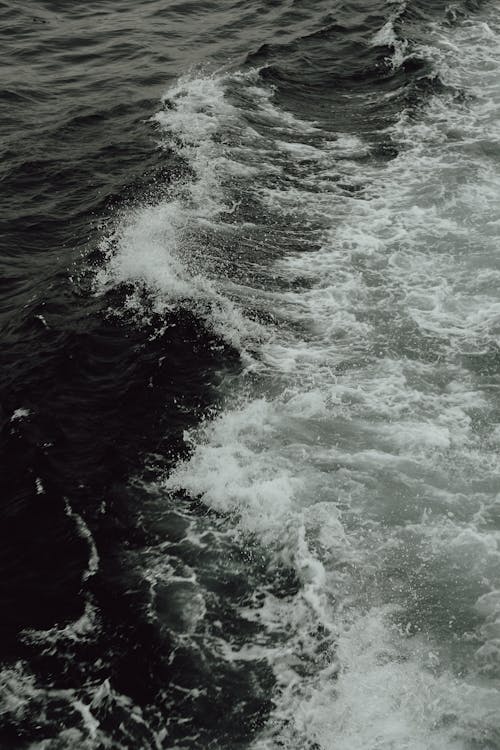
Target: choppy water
[250,375]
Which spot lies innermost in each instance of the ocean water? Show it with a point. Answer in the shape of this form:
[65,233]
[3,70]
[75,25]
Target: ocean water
[250,375]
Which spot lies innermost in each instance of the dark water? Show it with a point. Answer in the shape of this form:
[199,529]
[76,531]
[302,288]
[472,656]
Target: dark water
[250,372]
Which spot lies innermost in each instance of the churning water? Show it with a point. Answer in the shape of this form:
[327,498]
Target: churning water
[252,372]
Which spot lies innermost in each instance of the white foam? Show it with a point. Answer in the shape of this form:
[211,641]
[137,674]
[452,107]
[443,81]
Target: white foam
[85,533]
[369,465]
[155,248]
[362,454]
[388,693]
[25,702]
[20,414]
[86,627]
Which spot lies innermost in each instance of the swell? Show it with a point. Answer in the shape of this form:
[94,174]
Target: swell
[379,60]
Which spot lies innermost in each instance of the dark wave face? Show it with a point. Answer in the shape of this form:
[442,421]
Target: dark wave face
[250,371]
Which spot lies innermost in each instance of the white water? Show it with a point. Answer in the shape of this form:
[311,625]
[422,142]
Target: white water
[363,452]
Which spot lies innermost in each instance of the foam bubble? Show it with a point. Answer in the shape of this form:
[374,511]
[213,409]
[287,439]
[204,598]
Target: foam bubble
[362,464]
[156,248]
[361,452]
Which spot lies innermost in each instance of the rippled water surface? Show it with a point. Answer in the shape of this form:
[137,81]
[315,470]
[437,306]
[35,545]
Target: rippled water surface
[250,375]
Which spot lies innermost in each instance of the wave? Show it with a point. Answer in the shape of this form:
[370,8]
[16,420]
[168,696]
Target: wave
[161,247]
[365,458]
[355,457]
